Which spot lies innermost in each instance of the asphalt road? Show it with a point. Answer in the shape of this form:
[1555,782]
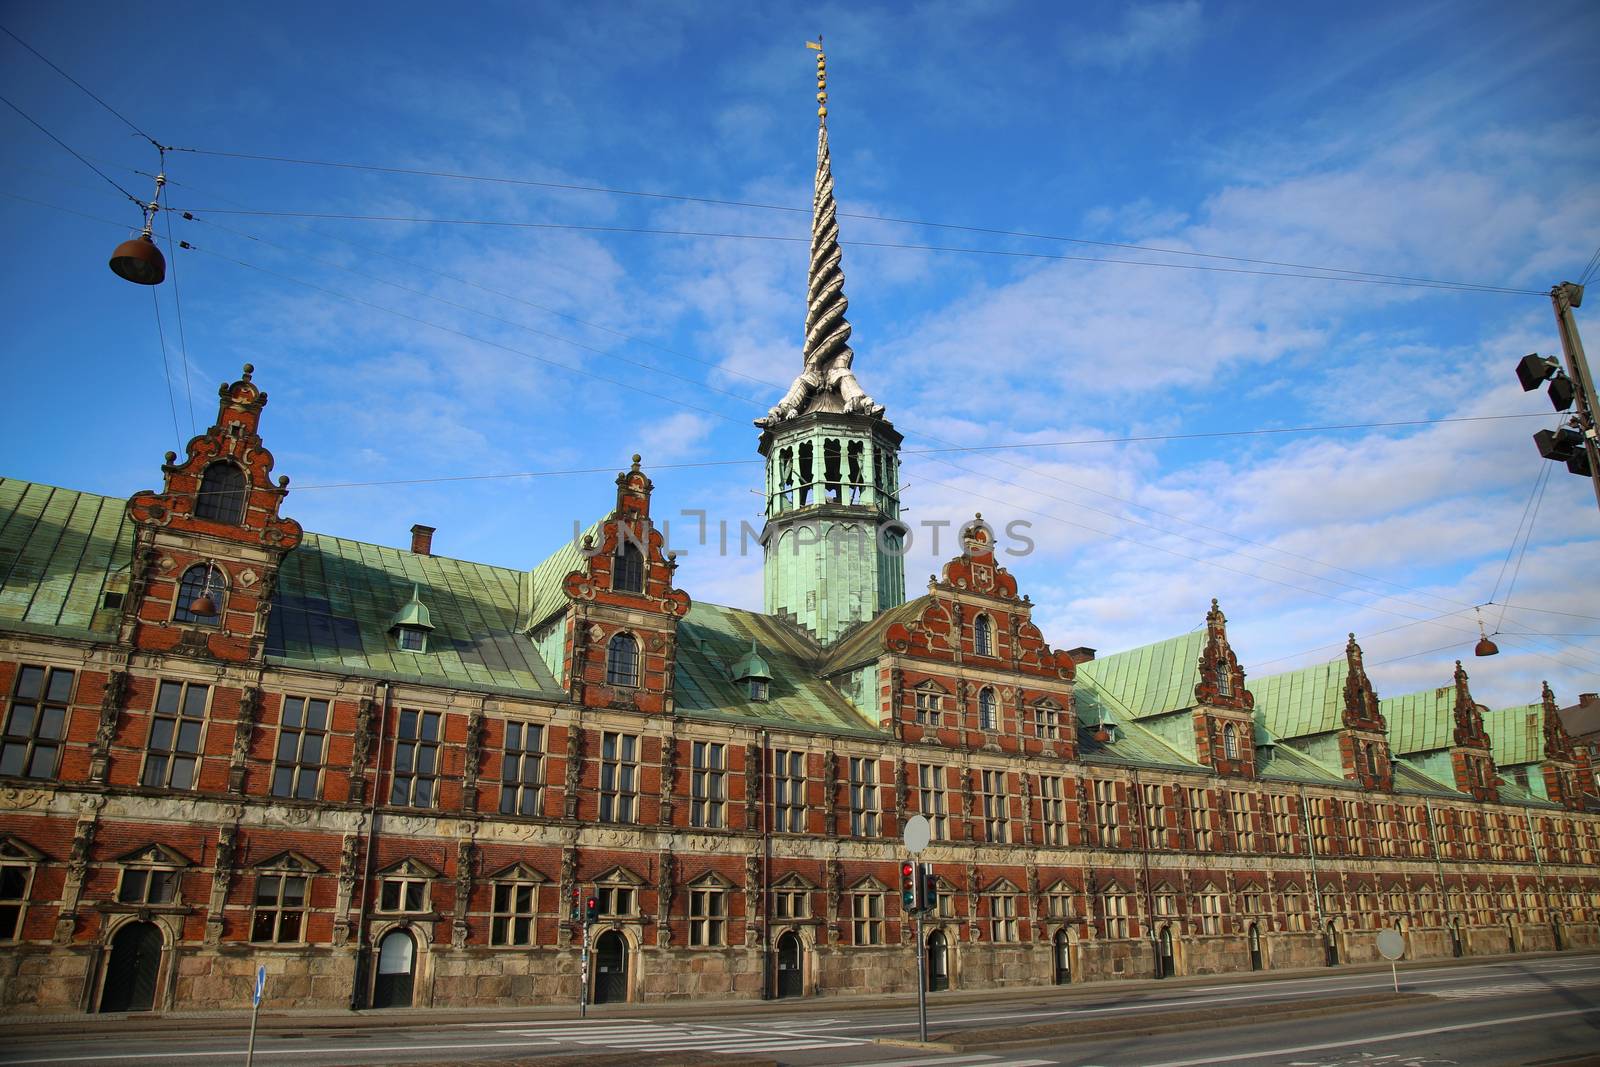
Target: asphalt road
[1544,1011]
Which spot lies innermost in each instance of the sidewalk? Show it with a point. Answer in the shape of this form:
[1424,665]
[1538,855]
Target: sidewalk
[278,1020]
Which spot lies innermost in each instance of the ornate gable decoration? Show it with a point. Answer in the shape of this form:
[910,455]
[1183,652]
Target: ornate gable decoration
[409,868]
[1003,885]
[1360,702]
[289,861]
[869,884]
[618,876]
[242,510]
[1469,720]
[628,540]
[795,880]
[711,880]
[1557,744]
[1221,682]
[156,855]
[517,872]
[936,633]
[14,848]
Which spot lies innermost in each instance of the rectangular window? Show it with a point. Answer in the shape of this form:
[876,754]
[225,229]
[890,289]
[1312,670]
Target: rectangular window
[1114,909]
[1211,913]
[1200,814]
[616,900]
[996,807]
[947,903]
[522,770]
[515,906]
[15,881]
[931,800]
[174,750]
[1319,824]
[866,918]
[1244,833]
[927,706]
[707,794]
[789,791]
[1155,815]
[403,894]
[1105,813]
[302,746]
[791,904]
[1047,718]
[1053,809]
[1058,903]
[1282,828]
[619,777]
[148,885]
[1002,918]
[36,722]
[280,909]
[707,917]
[863,797]
[1352,827]
[416,760]
[1294,907]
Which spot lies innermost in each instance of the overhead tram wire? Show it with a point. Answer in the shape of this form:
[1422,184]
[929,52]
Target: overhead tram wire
[86,90]
[73,151]
[166,369]
[789,209]
[899,245]
[177,302]
[674,400]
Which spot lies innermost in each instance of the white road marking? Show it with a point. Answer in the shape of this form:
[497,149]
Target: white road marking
[1370,1039]
[233,1053]
[945,1061]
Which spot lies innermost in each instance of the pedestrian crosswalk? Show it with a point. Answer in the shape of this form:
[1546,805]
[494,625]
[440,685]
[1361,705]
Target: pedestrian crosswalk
[645,1036]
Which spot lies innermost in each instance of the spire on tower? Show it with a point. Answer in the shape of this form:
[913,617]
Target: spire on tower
[826,383]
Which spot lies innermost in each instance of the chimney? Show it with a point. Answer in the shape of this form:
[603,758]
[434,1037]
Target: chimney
[1081,654]
[422,540]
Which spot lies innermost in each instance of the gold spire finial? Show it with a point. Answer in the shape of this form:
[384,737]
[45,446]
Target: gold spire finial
[822,78]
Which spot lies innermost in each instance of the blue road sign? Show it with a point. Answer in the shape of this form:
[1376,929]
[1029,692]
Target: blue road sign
[261,983]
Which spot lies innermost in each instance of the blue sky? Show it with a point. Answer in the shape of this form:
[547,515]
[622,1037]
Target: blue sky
[1444,141]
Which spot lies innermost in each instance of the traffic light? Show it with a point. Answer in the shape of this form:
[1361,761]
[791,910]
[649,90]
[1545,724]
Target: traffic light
[591,911]
[930,888]
[577,915]
[908,887]
[1533,369]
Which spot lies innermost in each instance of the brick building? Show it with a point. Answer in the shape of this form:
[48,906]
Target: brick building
[387,775]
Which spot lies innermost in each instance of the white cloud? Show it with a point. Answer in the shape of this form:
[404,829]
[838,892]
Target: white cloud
[1147,31]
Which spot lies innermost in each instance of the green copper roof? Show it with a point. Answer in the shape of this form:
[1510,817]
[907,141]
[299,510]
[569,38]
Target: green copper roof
[1286,763]
[1532,797]
[1409,778]
[59,551]
[1149,680]
[335,600]
[1516,734]
[864,643]
[711,638]
[751,666]
[1131,744]
[1421,722]
[1304,702]
[413,612]
[543,585]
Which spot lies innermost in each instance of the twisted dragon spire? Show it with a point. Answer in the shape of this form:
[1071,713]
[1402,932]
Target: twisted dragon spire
[827,383]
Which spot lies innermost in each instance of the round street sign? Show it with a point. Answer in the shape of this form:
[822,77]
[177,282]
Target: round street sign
[1391,946]
[916,834]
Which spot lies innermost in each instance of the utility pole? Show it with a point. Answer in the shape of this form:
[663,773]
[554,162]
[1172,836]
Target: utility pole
[1564,298]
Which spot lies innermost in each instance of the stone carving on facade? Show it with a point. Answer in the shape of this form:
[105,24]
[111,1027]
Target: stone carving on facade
[1221,683]
[570,794]
[466,864]
[669,772]
[243,731]
[569,890]
[347,888]
[901,790]
[222,871]
[752,889]
[474,758]
[111,701]
[753,777]
[835,883]
[830,793]
[360,748]
[666,889]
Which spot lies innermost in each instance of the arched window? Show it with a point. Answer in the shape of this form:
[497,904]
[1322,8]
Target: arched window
[622,661]
[986,709]
[201,580]
[221,496]
[1224,679]
[983,636]
[1230,741]
[627,573]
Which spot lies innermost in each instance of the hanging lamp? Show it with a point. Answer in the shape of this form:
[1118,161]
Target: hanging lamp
[137,259]
[1484,647]
[204,605]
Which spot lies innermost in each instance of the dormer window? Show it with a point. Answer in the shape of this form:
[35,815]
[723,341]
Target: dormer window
[411,625]
[753,675]
[201,592]
[222,494]
[627,572]
[1230,742]
[983,636]
[622,661]
[986,716]
[1224,680]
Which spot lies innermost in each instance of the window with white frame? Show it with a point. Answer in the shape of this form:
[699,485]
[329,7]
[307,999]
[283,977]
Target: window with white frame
[513,919]
[1053,809]
[1114,912]
[1351,812]
[405,888]
[1200,815]
[1047,719]
[708,784]
[1210,911]
[151,876]
[1155,815]
[17,864]
[619,777]
[1003,916]
[522,770]
[986,710]
[36,722]
[622,661]
[1244,833]
[172,758]
[866,916]
[791,902]
[983,636]
[416,759]
[616,897]
[302,747]
[1105,812]
[1230,742]
[1282,828]
[931,799]
[1294,909]
[789,791]
[708,916]
[863,797]
[927,704]
[282,896]
[996,808]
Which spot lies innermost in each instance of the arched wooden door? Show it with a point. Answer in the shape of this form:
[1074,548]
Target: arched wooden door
[1331,943]
[131,972]
[610,968]
[1062,953]
[938,962]
[1255,947]
[1164,961]
[397,966]
[791,966]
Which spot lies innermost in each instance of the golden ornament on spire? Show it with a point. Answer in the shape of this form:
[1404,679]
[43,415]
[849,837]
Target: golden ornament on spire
[822,77]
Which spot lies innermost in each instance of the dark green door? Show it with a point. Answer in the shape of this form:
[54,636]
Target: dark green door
[611,968]
[1255,947]
[131,973]
[397,956]
[938,963]
[1063,958]
[791,973]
